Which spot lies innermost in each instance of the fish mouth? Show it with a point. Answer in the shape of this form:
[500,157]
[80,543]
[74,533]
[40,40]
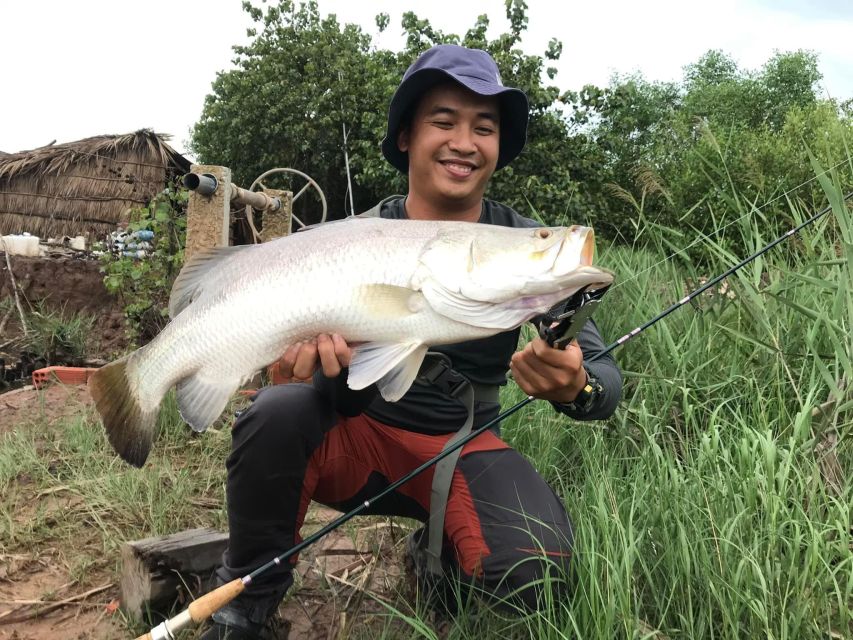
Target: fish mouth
[576,249]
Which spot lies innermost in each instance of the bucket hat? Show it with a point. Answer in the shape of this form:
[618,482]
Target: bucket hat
[475,70]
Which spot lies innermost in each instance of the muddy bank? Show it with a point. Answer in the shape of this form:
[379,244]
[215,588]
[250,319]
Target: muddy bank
[68,284]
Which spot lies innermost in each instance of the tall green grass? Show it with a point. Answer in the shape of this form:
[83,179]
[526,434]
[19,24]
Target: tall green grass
[717,502]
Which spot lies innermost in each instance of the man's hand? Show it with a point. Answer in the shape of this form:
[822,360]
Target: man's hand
[547,373]
[301,360]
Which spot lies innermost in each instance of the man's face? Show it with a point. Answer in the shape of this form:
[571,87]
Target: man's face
[453,144]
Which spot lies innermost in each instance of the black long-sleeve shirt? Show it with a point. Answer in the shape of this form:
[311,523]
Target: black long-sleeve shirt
[426,409]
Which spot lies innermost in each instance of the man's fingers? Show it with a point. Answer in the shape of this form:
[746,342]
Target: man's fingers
[328,352]
[541,370]
[300,360]
[288,360]
[557,357]
[342,350]
[306,361]
[525,376]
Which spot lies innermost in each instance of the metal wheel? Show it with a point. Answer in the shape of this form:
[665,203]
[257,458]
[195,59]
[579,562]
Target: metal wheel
[309,182]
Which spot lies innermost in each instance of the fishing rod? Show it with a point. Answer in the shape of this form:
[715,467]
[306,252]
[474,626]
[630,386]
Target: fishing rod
[567,321]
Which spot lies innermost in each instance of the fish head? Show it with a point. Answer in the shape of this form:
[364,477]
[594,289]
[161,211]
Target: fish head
[500,277]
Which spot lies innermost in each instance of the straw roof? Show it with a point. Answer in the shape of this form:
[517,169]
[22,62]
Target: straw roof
[84,187]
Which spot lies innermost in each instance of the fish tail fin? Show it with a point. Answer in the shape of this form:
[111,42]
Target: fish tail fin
[130,429]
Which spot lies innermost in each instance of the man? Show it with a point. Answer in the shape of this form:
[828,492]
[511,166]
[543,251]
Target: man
[451,124]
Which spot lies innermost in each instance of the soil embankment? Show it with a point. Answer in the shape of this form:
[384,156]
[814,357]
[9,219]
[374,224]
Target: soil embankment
[68,284]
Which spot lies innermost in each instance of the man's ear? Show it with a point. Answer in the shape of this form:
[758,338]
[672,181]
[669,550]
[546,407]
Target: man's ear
[403,140]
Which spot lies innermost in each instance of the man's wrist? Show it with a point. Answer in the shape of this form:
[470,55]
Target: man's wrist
[587,396]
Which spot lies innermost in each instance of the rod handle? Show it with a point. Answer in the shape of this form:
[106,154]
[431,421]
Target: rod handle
[198,611]
[203,607]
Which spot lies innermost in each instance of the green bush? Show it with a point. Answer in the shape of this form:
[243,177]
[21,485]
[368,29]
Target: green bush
[57,337]
[143,284]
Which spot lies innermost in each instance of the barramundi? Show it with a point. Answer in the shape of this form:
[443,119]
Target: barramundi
[391,288]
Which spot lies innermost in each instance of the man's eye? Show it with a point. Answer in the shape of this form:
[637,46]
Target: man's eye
[486,131]
[444,124]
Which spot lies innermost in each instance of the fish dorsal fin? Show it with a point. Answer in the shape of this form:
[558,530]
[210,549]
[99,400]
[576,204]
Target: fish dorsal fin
[203,396]
[393,366]
[193,277]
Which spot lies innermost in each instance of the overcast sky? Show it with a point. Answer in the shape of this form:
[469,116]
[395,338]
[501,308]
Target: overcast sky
[74,69]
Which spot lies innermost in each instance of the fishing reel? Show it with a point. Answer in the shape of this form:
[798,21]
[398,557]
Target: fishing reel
[562,322]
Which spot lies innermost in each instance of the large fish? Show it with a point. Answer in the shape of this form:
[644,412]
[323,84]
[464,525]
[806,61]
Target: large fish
[392,288]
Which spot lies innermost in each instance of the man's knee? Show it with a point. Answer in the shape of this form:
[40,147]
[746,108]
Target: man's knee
[526,575]
[524,528]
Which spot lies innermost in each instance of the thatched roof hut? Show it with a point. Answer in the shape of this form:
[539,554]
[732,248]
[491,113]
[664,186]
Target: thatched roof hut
[84,187]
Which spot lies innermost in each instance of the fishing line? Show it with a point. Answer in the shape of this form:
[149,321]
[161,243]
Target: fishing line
[726,226]
[211,602]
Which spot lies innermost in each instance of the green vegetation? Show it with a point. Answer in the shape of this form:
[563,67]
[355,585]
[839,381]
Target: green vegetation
[58,337]
[303,78]
[143,285]
[112,502]
[594,155]
[716,503]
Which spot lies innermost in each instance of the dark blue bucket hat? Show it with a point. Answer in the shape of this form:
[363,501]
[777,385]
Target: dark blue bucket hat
[474,69]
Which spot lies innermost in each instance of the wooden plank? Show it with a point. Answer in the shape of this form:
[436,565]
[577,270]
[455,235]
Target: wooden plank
[158,572]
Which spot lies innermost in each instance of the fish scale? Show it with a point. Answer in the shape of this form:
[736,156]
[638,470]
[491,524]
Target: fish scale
[395,287]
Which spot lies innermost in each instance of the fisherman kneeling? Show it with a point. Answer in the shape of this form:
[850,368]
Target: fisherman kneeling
[451,124]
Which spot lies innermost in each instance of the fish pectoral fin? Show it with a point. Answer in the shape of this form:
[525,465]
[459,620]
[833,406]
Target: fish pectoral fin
[193,278]
[388,301]
[394,384]
[392,366]
[203,396]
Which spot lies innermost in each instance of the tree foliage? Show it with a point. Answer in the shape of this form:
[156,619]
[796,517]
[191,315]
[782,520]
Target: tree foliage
[143,284]
[305,77]
[293,88]
[598,155]
[677,151]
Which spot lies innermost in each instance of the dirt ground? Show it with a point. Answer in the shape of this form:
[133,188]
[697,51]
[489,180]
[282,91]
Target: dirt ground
[67,284]
[58,401]
[338,580]
[38,598]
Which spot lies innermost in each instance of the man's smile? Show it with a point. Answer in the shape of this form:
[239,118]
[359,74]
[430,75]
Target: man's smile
[458,168]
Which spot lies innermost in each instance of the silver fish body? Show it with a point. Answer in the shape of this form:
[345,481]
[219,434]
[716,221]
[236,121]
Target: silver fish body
[392,287]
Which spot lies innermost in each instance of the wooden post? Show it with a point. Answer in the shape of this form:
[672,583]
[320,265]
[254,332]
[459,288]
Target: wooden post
[154,570]
[278,223]
[209,217]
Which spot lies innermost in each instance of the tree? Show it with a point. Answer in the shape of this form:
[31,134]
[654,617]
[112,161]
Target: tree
[302,78]
[295,86]
[677,151]
[680,151]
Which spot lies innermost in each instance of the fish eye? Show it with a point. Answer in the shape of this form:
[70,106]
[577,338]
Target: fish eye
[544,234]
